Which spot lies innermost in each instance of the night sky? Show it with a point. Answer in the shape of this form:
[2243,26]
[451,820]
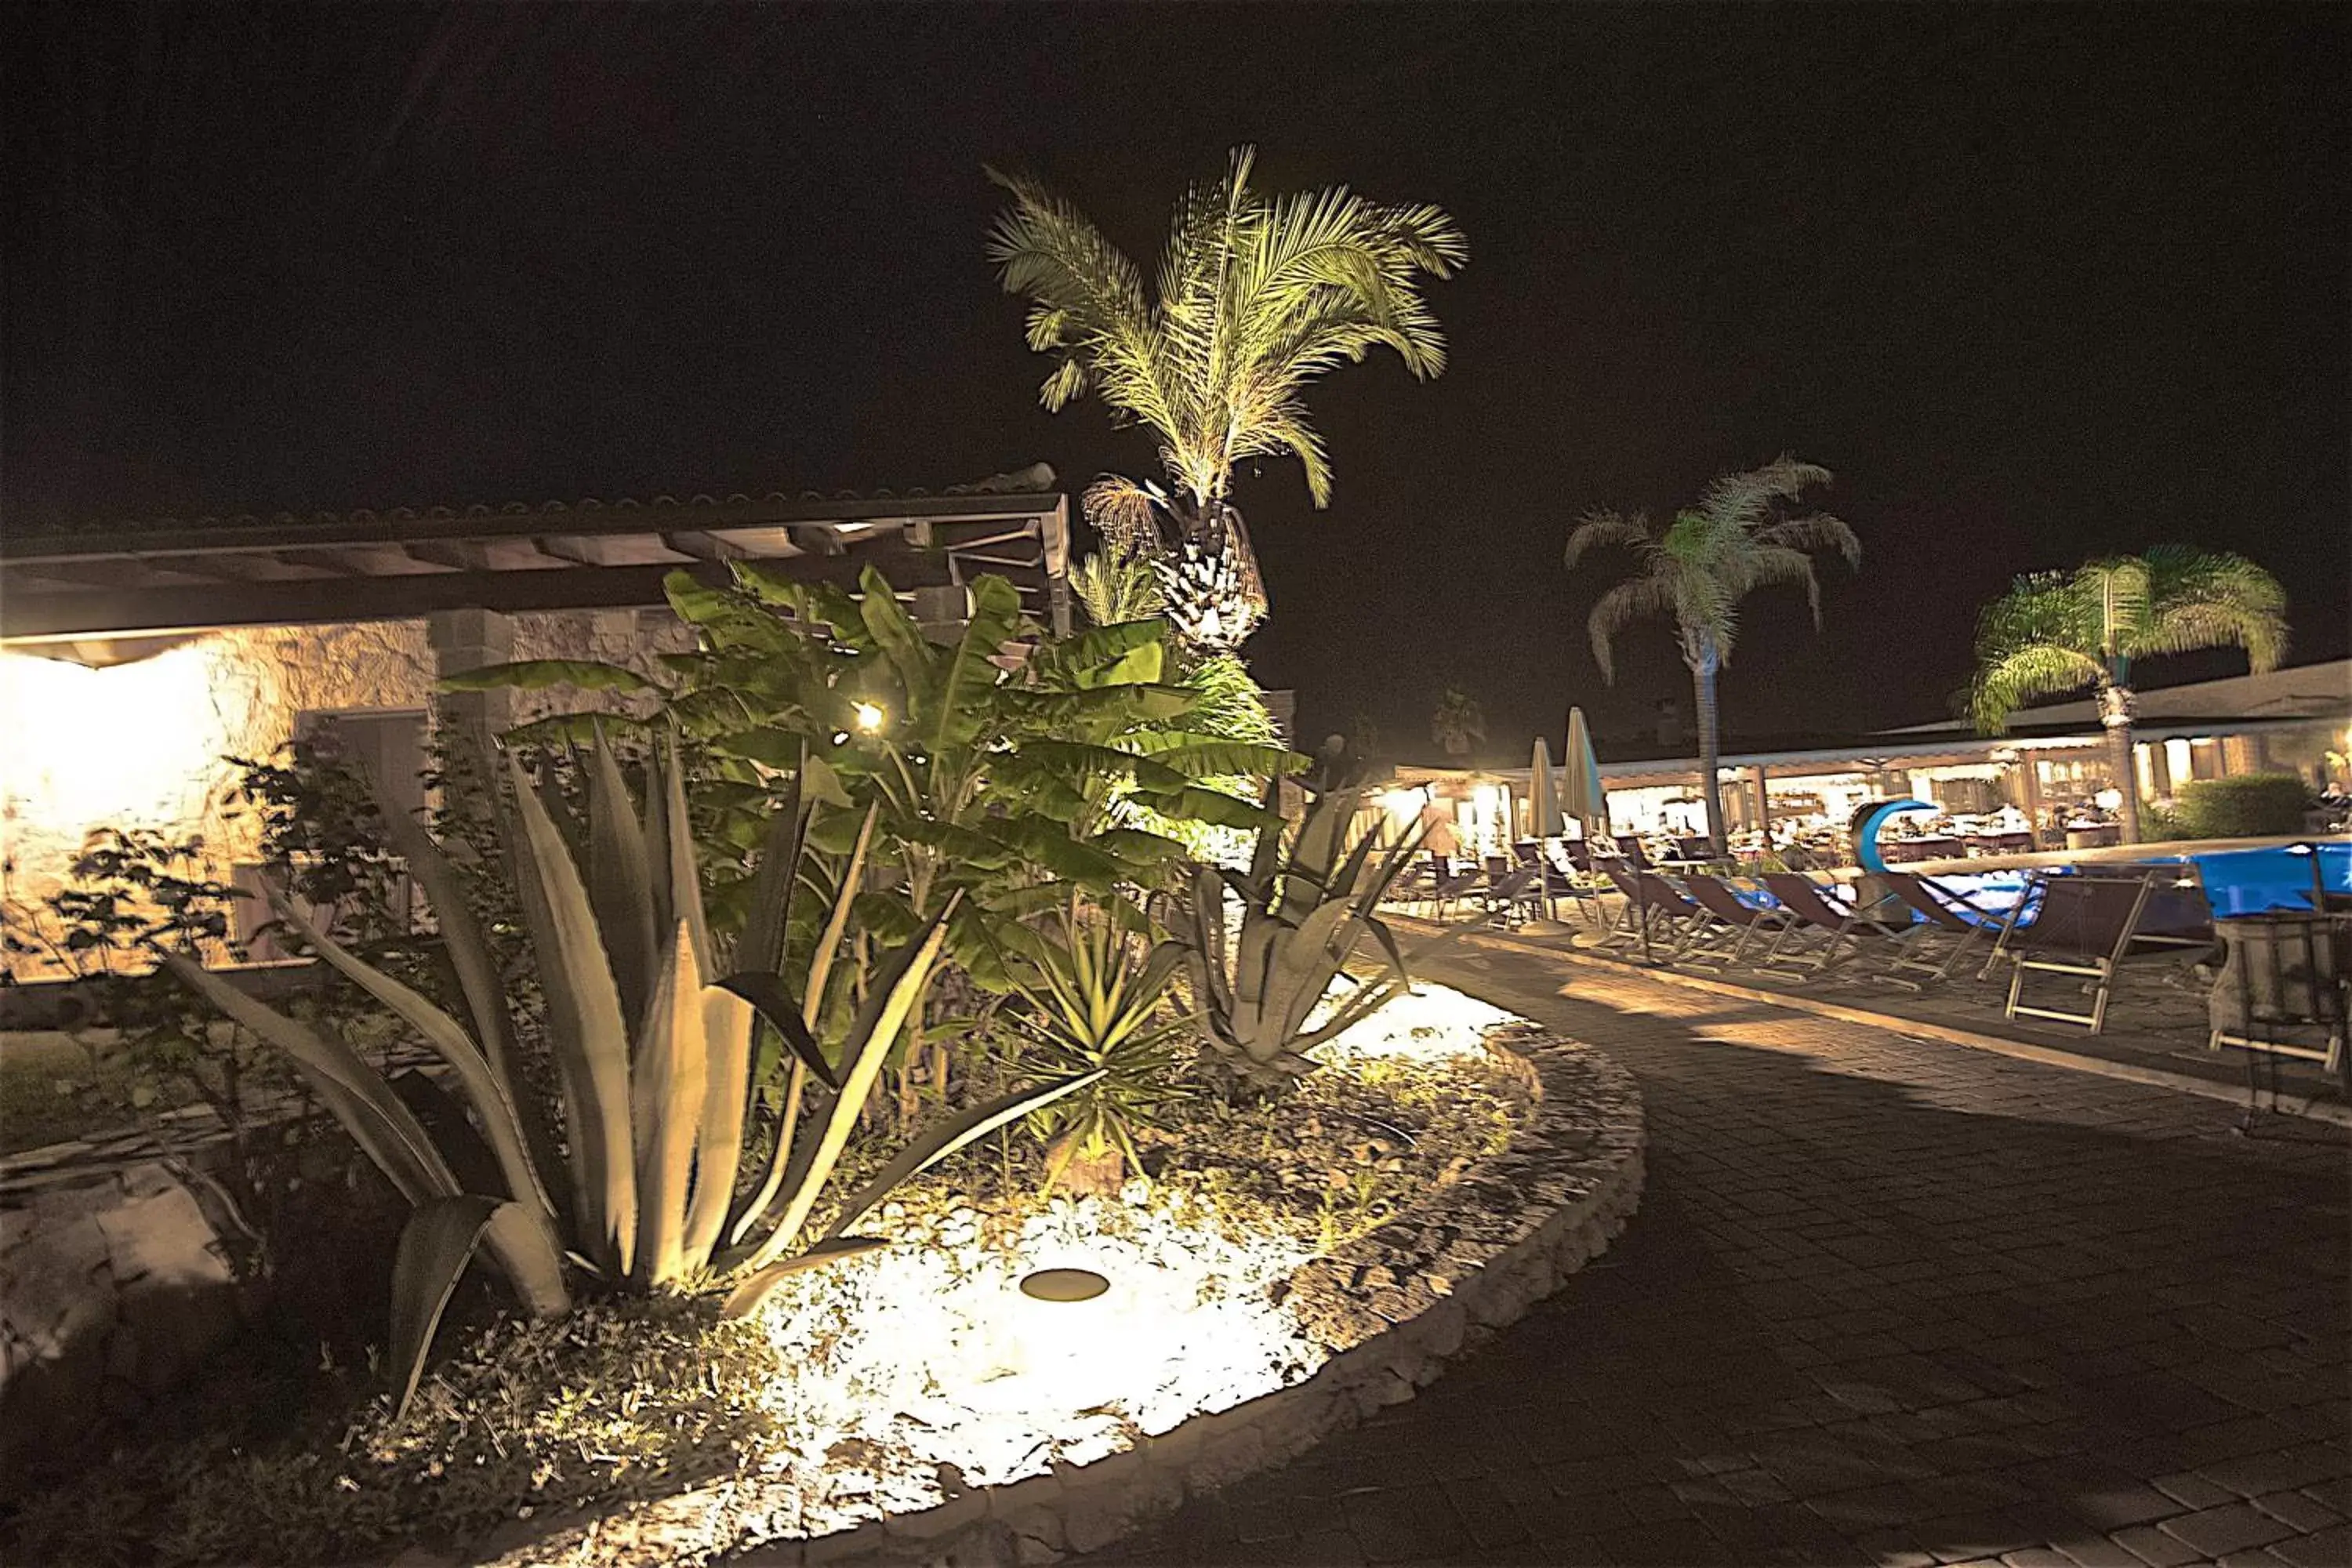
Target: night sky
[2034,282]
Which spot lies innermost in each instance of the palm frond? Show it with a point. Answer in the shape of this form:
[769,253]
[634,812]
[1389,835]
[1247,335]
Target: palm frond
[1598,530]
[2200,599]
[2023,673]
[1628,602]
[1815,531]
[1744,499]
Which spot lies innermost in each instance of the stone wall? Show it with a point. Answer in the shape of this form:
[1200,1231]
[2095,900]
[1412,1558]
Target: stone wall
[112,1289]
[143,745]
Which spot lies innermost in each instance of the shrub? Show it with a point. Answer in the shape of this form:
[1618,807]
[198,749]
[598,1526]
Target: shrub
[619,1401]
[2251,806]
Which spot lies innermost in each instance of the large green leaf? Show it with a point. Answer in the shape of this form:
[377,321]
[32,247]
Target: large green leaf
[1199,759]
[1197,802]
[968,678]
[436,1245]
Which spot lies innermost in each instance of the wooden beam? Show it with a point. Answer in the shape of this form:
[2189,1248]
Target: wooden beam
[102,611]
[704,547]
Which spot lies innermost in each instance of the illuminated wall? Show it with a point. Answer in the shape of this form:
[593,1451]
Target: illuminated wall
[145,745]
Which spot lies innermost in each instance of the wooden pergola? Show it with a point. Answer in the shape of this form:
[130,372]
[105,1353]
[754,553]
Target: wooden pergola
[121,585]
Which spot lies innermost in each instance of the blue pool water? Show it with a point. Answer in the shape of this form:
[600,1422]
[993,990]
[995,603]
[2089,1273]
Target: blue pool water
[2237,881]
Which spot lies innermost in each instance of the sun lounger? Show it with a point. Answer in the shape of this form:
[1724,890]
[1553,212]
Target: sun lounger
[1946,913]
[1733,920]
[2083,927]
[1829,928]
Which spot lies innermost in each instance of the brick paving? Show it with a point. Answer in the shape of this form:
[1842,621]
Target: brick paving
[1886,1302]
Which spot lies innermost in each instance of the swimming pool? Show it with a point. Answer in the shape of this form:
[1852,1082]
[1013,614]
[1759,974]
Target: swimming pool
[2237,881]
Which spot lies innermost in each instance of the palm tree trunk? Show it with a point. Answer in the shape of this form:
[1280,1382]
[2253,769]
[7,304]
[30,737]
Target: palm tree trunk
[2119,747]
[2115,714]
[1710,745]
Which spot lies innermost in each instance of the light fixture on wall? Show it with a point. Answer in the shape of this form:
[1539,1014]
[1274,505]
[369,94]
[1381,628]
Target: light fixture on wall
[102,652]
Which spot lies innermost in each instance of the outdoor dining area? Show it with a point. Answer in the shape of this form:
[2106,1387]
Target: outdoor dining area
[2260,935]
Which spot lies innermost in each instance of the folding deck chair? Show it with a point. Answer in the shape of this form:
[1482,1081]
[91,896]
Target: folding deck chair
[1944,911]
[1812,915]
[1734,920]
[2083,927]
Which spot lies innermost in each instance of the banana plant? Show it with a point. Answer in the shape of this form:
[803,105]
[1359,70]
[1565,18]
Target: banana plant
[1008,765]
[1306,911]
[653,1026]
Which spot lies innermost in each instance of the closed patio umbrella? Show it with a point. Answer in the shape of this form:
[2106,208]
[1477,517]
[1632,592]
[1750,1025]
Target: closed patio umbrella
[1543,795]
[1580,795]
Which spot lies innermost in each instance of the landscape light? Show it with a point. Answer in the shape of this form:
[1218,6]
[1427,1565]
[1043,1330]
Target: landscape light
[869,717]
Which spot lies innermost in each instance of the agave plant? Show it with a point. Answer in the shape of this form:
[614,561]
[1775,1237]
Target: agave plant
[654,1033]
[1306,912]
[1092,989]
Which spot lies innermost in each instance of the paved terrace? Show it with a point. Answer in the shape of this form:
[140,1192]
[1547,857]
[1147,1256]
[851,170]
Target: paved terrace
[2156,1019]
[1887,1301]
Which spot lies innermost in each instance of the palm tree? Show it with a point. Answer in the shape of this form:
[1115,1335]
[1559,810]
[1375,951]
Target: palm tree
[1699,567]
[1256,296]
[2061,631]
[1458,725]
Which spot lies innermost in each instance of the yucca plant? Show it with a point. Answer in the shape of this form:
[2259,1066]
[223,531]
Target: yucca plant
[653,1035]
[1092,990]
[1306,911]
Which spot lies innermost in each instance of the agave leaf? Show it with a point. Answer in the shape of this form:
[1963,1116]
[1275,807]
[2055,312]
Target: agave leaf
[586,1031]
[670,1084]
[574,729]
[766,995]
[939,1142]
[375,1118]
[755,1289]
[461,934]
[538,674]
[619,879]
[898,986]
[493,1108]
[827,951]
[777,876]
[436,1245]
[443,1117]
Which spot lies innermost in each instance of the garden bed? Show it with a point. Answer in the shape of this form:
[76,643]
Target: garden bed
[1288,1266]
[950,1405]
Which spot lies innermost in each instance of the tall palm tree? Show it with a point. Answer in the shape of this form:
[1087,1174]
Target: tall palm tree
[1256,296]
[1697,569]
[2061,631]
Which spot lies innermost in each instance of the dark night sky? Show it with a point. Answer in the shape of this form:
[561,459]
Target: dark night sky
[2035,282]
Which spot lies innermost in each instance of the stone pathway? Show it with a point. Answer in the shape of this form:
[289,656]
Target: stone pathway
[1886,1302]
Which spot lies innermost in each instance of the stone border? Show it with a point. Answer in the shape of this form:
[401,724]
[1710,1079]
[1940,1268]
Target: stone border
[1394,1307]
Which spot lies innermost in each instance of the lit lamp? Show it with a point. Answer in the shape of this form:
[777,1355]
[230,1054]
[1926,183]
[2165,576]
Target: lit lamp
[1062,1331]
[869,718]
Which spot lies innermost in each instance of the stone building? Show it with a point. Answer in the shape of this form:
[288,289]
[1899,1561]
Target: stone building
[136,661]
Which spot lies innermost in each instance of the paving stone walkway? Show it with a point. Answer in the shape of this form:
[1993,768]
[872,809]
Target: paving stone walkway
[1886,1302]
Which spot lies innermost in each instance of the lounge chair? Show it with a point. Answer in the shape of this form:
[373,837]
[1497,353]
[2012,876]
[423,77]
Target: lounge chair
[2083,927]
[1653,907]
[1830,926]
[2286,988]
[1630,847]
[1947,913]
[1734,919]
